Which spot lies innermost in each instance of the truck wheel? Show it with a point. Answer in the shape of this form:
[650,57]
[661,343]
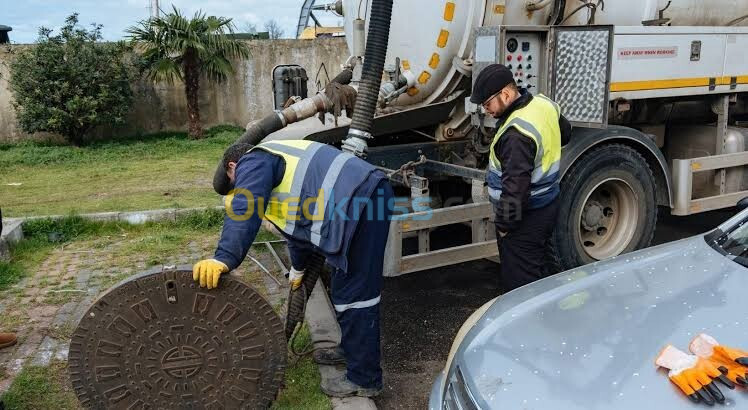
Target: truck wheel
[607,206]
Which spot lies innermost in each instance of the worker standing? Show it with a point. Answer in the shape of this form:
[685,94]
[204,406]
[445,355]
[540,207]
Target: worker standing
[322,200]
[523,178]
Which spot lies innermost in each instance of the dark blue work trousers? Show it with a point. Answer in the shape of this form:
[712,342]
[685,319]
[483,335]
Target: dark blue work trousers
[356,293]
[524,252]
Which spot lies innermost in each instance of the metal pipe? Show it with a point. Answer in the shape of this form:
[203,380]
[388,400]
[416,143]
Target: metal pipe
[306,108]
[737,20]
[277,258]
[264,269]
[539,5]
[359,38]
[275,121]
[154,9]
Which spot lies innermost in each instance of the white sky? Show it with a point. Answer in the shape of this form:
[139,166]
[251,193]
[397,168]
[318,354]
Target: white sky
[25,16]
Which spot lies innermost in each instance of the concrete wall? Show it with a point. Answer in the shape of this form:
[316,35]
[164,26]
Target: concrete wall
[246,96]
[9,130]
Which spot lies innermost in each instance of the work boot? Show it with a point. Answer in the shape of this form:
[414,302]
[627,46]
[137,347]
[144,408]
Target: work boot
[330,356]
[342,387]
[7,339]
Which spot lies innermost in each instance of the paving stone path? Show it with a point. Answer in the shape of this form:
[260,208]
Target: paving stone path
[45,307]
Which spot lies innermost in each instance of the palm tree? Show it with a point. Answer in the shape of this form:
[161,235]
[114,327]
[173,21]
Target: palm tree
[175,47]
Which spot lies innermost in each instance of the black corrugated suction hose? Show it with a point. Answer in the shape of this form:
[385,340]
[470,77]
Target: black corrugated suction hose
[297,299]
[253,135]
[557,13]
[371,78]
[256,132]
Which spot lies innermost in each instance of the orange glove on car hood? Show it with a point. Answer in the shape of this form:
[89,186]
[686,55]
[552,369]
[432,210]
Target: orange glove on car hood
[692,374]
[732,362]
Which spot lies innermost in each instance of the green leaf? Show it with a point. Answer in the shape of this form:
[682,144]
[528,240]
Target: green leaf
[171,42]
[57,84]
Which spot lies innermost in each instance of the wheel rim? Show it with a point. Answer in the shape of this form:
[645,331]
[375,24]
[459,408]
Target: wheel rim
[608,218]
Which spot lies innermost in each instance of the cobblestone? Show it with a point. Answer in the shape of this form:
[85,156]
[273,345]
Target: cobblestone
[47,349]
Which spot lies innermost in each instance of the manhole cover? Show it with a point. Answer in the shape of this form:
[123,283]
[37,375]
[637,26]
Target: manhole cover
[158,340]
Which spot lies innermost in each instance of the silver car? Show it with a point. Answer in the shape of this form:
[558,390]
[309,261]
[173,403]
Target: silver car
[587,338]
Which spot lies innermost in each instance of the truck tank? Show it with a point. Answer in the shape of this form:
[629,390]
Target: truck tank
[433,40]
[428,36]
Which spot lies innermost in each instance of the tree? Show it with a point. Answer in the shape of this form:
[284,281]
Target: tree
[274,29]
[175,47]
[250,28]
[70,83]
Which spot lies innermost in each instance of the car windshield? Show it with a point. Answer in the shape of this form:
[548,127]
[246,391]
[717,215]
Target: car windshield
[734,243]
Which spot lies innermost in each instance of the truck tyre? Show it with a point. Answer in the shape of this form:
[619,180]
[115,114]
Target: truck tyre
[607,206]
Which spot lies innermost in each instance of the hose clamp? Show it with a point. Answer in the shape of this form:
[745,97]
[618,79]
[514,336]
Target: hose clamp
[355,145]
[282,117]
[359,133]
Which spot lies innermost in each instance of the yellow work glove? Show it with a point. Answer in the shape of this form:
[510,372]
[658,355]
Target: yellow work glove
[732,362]
[295,277]
[208,271]
[692,374]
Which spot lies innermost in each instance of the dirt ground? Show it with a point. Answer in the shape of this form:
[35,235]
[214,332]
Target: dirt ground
[422,312]
[421,315]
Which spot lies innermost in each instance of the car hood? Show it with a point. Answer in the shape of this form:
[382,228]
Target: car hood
[588,338]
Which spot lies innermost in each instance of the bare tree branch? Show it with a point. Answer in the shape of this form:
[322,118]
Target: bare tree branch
[274,29]
[250,28]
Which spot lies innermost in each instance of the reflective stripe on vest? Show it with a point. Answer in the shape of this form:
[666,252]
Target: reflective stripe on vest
[328,183]
[297,155]
[538,120]
[316,176]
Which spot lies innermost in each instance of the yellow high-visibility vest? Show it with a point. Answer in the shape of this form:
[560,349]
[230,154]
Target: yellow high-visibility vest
[538,120]
[316,179]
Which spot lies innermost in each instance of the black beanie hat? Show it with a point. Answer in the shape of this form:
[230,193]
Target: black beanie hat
[489,82]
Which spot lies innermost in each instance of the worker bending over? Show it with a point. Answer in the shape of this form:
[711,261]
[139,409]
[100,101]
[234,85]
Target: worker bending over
[523,178]
[322,200]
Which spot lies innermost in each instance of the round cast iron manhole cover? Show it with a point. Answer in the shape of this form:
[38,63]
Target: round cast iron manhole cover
[158,340]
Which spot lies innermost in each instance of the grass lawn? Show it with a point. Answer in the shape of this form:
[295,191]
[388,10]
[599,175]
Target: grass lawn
[39,387]
[157,171]
[302,389]
[155,242]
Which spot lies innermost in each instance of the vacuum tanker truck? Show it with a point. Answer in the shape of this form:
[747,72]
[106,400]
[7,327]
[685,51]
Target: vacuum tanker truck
[657,93]
[655,90]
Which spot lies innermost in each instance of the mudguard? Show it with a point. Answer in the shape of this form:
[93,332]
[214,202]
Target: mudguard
[583,139]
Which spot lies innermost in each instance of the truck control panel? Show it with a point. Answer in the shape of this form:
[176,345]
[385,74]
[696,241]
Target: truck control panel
[522,57]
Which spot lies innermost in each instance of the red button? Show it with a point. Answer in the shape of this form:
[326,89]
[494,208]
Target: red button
[519,58]
[509,58]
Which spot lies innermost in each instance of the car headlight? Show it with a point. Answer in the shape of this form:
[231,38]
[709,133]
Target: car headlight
[464,329]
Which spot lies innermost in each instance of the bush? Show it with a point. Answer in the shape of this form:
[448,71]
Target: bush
[70,83]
